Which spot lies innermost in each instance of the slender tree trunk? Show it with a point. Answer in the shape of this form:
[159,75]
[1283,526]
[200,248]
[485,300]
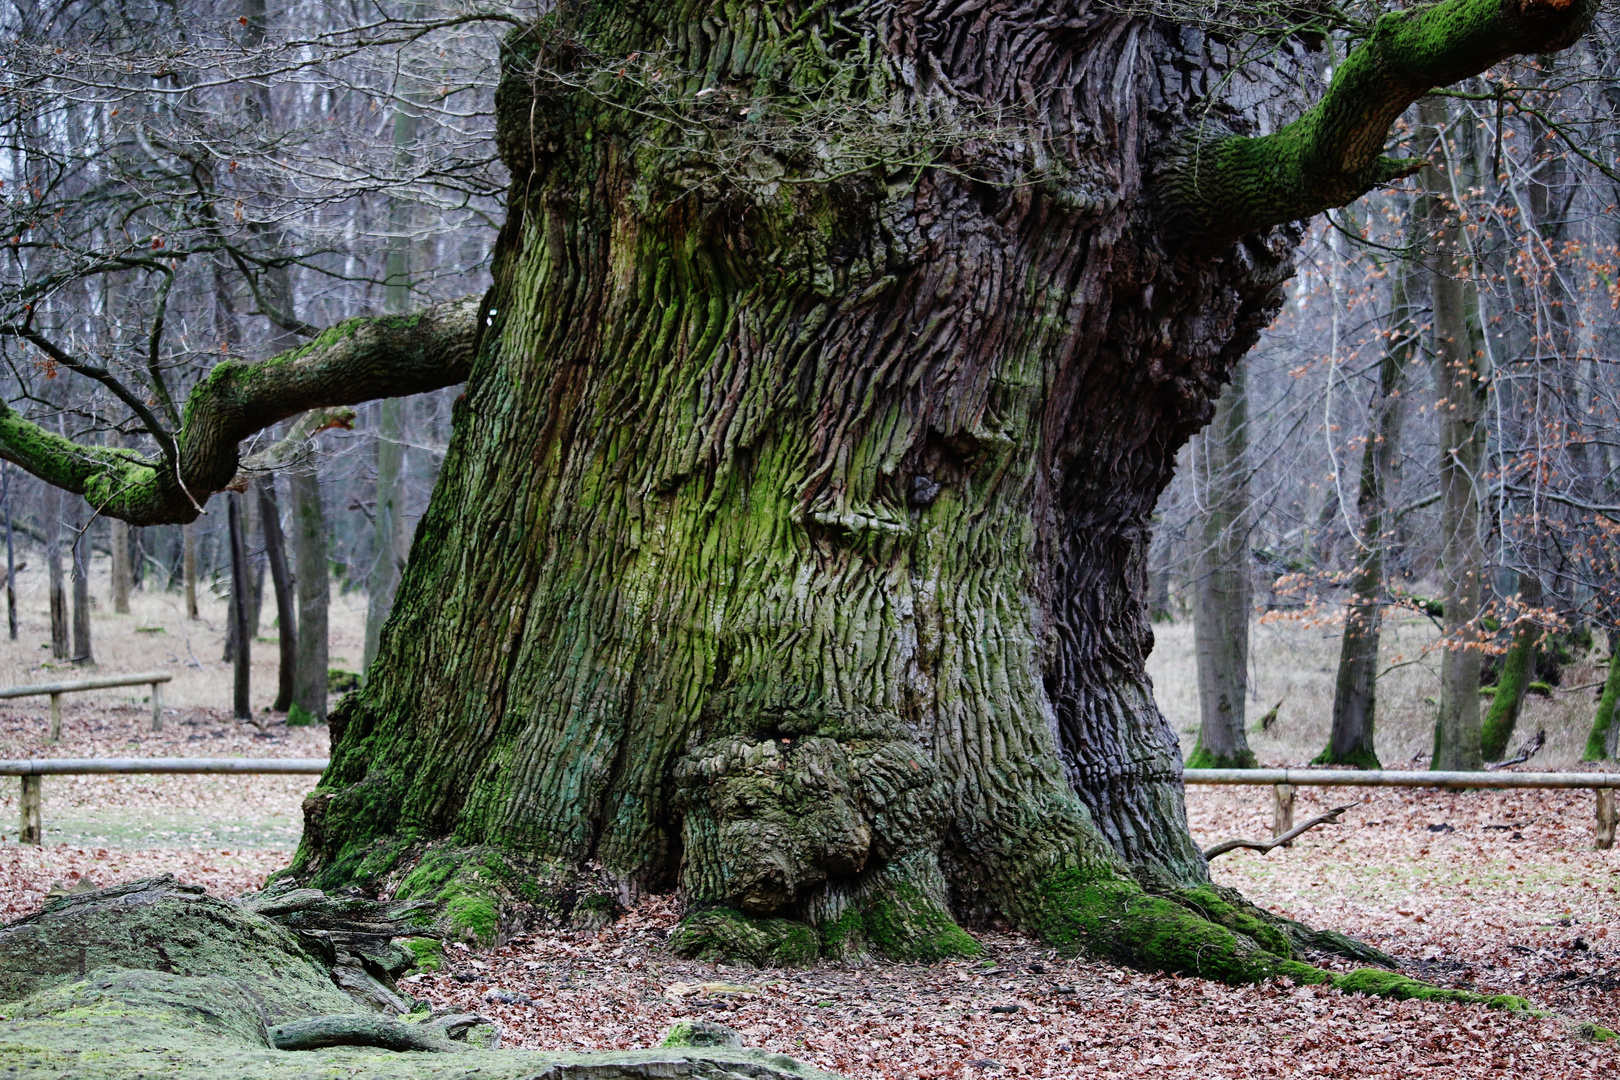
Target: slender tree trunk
[188,564]
[61,643]
[388,526]
[11,559]
[242,653]
[1355,689]
[253,539]
[281,575]
[1603,741]
[1518,667]
[314,592]
[122,572]
[1223,592]
[1459,387]
[82,652]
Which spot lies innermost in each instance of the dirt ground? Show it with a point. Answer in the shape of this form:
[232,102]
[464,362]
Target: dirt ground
[1500,891]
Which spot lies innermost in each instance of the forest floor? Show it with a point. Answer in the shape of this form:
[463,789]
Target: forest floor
[1499,891]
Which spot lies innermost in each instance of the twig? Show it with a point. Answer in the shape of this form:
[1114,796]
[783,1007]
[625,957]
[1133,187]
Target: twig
[1329,818]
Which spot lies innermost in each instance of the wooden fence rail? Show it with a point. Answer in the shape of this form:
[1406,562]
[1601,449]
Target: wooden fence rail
[1283,782]
[33,770]
[103,682]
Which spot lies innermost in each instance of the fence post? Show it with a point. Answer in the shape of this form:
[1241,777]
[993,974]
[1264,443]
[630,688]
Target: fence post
[33,825]
[157,706]
[56,718]
[1605,819]
[1282,810]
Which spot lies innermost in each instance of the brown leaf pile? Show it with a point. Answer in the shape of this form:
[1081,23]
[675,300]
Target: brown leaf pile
[1020,1012]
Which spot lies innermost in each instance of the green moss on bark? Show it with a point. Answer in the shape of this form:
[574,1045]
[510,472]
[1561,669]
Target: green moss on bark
[1380,983]
[467,886]
[1503,716]
[1115,919]
[428,952]
[1211,906]
[899,921]
[1202,758]
[724,934]
[1362,757]
[700,1033]
[1597,740]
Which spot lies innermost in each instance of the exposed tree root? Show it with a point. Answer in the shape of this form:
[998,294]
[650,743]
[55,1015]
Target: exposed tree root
[320,1032]
[156,979]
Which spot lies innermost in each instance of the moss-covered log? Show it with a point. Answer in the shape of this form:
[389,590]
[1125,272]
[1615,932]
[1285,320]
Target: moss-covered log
[154,979]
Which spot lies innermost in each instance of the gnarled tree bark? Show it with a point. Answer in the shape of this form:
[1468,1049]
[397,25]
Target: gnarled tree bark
[790,544]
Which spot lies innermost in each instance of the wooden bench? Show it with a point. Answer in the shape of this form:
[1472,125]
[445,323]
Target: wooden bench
[155,678]
[33,770]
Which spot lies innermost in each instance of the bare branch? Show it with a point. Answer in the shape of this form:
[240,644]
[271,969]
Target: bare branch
[1329,818]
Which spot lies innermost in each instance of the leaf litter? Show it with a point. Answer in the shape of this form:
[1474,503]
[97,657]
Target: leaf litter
[1508,897]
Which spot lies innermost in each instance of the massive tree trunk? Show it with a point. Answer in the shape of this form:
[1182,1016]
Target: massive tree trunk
[1223,588]
[790,544]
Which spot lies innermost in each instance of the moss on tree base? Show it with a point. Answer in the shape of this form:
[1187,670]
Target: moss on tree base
[1202,758]
[723,934]
[898,921]
[1362,757]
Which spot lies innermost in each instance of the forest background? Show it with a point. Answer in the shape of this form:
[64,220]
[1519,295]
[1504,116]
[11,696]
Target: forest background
[185,184]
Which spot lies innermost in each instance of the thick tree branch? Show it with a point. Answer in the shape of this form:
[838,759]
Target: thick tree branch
[1220,187]
[359,360]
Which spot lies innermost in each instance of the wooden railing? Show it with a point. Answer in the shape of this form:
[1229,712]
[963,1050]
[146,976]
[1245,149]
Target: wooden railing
[104,682]
[1283,782]
[33,770]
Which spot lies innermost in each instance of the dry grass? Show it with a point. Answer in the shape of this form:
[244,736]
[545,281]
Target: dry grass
[1296,664]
